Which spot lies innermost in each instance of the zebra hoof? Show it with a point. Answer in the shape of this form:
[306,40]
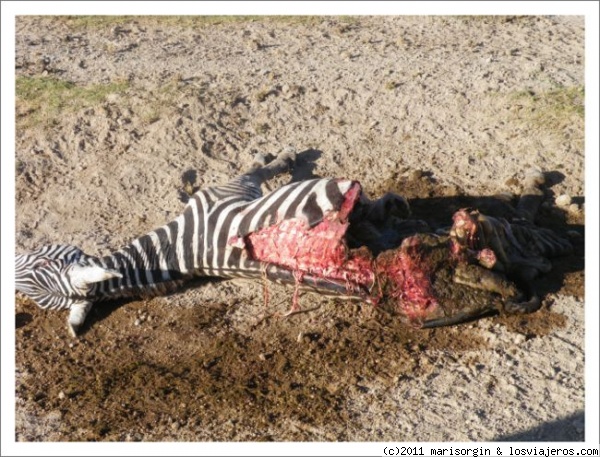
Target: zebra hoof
[260,160]
[73,329]
[526,307]
[288,154]
[77,315]
[535,178]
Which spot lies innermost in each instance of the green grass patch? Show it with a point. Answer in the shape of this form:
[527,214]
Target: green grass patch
[556,103]
[492,19]
[559,112]
[42,100]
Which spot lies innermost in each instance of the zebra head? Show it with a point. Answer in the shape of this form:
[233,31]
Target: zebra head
[60,277]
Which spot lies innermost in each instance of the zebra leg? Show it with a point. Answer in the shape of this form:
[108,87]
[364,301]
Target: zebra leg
[390,205]
[532,196]
[260,171]
[77,314]
[248,185]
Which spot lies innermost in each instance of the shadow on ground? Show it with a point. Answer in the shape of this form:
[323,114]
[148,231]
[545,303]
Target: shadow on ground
[570,428]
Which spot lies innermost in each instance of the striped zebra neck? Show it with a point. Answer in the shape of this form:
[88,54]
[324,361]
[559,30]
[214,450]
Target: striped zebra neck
[150,265]
[193,244]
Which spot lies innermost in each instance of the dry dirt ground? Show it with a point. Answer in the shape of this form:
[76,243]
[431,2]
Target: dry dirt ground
[117,119]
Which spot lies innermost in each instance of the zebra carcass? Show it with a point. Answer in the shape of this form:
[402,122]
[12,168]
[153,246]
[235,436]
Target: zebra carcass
[322,235]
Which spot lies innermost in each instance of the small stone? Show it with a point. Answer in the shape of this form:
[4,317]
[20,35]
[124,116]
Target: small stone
[61,395]
[137,322]
[300,337]
[519,339]
[573,208]
[489,336]
[255,45]
[563,200]
[55,415]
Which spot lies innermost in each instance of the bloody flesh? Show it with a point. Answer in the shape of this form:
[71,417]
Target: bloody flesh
[321,251]
[407,278]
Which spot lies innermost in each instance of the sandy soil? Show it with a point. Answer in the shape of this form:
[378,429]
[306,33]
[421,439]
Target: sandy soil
[116,120]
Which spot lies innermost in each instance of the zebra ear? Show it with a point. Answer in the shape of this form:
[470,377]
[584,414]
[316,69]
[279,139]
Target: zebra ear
[77,314]
[85,276]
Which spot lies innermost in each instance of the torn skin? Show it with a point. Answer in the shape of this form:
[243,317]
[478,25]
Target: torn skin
[321,252]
